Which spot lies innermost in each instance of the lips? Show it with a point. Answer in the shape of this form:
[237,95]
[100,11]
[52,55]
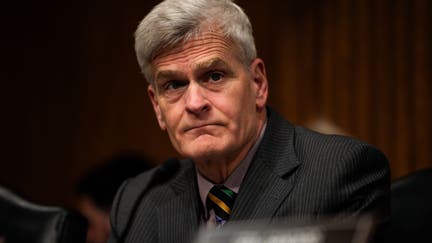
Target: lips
[189,128]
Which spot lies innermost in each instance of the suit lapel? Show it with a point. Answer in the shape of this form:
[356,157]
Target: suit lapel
[270,177]
[179,217]
[268,182]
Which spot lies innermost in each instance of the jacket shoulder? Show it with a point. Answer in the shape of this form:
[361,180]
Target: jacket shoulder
[140,188]
[309,143]
[353,175]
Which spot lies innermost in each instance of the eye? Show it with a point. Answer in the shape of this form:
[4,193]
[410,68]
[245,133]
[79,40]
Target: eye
[215,76]
[172,85]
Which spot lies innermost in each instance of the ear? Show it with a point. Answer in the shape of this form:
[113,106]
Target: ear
[260,83]
[153,97]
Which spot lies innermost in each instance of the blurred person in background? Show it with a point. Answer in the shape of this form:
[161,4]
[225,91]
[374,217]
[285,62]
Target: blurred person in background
[97,189]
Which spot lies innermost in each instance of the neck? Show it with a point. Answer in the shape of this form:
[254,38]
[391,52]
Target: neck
[217,170]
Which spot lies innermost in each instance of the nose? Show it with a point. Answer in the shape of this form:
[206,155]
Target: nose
[195,99]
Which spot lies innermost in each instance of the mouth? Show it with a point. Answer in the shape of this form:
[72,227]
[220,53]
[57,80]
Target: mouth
[190,128]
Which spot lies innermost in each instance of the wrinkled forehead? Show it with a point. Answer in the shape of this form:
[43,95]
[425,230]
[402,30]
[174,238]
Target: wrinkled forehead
[208,45]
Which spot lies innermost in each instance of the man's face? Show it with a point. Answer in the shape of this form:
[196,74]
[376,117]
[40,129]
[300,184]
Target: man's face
[206,99]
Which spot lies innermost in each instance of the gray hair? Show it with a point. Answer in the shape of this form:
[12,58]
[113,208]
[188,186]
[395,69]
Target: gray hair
[173,21]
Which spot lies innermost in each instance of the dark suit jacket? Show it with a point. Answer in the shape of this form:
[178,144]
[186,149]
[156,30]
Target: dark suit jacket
[295,173]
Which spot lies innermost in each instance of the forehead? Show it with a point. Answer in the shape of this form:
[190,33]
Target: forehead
[207,45]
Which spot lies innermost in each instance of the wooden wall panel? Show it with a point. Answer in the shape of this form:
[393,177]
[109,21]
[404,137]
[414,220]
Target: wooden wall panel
[373,76]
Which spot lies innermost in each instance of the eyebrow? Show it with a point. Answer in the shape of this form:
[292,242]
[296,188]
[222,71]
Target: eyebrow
[208,64]
[211,63]
[167,74]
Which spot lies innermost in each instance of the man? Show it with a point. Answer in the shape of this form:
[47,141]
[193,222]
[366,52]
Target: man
[245,162]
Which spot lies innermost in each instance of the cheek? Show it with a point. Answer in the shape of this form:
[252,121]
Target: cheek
[247,113]
[240,112]
[172,116]
[236,98]
[245,103]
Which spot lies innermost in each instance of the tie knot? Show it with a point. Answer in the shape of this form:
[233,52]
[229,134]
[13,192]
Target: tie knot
[221,200]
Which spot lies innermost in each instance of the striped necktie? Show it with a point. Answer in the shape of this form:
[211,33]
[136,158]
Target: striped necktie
[221,200]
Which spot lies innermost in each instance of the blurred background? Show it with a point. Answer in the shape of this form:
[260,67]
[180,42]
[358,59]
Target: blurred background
[73,96]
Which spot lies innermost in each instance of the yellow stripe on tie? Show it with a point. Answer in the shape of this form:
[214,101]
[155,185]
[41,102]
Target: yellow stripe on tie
[220,203]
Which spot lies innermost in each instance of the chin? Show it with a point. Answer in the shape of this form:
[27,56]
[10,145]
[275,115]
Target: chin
[205,147]
[203,152]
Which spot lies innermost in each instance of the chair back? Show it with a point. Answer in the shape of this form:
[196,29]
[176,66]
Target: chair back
[24,222]
[411,212]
